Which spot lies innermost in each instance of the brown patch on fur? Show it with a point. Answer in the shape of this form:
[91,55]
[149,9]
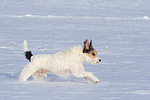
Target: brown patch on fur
[89,50]
[40,73]
[92,54]
[86,45]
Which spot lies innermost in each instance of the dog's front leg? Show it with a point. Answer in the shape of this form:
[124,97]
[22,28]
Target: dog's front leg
[91,76]
[88,81]
[86,75]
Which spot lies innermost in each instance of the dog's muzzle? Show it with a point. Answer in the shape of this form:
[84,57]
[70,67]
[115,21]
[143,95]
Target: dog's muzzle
[96,62]
[99,60]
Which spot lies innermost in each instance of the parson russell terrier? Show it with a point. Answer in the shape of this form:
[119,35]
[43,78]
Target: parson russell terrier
[64,63]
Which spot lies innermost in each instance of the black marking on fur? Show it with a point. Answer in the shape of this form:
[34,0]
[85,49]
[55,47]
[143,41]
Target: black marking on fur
[87,51]
[28,55]
[90,47]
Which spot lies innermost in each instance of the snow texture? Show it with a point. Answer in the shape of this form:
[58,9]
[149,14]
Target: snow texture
[120,30]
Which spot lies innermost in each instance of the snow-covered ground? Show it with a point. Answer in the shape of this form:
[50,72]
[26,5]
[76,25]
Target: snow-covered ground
[120,30]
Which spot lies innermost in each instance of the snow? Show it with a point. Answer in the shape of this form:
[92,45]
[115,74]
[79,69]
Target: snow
[120,31]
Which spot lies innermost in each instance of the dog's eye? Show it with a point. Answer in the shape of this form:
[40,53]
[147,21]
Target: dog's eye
[93,54]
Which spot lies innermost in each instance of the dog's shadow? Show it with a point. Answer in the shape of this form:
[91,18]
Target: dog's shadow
[55,78]
[49,78]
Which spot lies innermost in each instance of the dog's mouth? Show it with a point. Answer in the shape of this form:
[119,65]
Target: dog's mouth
[95,62]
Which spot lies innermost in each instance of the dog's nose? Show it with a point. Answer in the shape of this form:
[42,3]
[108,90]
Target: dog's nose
[99,60]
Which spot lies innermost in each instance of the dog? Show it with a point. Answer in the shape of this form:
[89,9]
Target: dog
[65,63]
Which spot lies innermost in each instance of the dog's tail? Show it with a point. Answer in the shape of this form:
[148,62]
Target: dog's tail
[28,54]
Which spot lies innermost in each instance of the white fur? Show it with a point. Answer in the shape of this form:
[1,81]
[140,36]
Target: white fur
[25,46]
[64,63]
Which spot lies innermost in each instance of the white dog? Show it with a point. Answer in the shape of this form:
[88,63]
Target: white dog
[64,63]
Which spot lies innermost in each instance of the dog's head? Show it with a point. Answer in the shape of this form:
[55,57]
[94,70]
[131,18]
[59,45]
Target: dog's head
[91,53]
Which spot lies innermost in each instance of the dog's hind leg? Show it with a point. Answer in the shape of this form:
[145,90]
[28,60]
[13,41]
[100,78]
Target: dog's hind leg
[27,72]
[38,75]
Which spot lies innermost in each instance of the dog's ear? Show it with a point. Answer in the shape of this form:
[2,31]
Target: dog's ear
[91,46]
[86,45]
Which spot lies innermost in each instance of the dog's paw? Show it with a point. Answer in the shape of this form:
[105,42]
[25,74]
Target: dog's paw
[96,80]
